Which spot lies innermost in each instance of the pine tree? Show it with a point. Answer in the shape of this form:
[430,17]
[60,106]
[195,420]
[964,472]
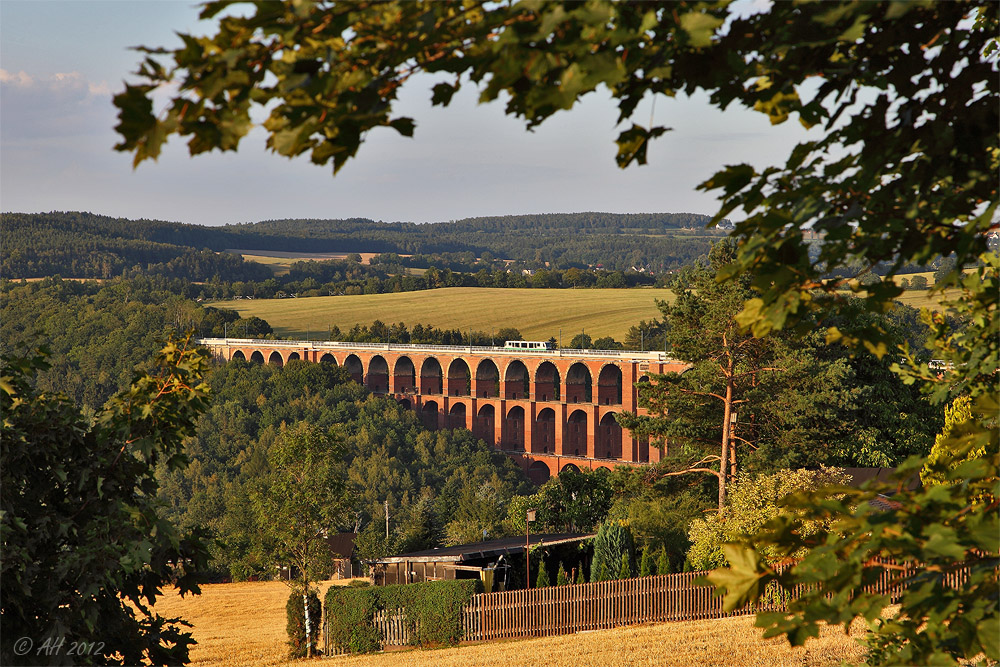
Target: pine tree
[614,538]
[580,579]
[562,579]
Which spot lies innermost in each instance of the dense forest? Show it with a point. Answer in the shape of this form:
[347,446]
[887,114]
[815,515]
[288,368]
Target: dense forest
[551,251]
[85,245]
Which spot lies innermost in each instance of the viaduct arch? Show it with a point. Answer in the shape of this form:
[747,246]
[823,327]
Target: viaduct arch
[546,409]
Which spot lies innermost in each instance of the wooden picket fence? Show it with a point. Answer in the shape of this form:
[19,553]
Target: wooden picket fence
[560,610]
[392,627]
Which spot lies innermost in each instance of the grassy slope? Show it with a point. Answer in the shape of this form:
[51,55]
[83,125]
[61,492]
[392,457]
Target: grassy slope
[538,314]
[244,624]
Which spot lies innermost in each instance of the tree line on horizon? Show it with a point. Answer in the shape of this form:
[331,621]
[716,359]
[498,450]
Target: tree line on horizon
[87,245]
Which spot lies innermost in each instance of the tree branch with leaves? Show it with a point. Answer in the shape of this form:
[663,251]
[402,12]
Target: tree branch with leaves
[86,551]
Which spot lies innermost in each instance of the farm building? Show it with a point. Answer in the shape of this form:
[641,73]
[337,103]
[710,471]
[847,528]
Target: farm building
[491,561]
[345,564]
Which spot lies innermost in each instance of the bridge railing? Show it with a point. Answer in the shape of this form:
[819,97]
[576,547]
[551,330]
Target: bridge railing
[407,347]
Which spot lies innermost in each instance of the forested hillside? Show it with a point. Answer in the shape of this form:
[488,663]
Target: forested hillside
[99,336]
[83,245]
[86,245]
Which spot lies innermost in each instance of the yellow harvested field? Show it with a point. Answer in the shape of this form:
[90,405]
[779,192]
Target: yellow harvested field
[244,624]
[538,313]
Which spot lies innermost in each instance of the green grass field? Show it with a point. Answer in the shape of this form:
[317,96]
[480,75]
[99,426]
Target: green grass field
[538,314]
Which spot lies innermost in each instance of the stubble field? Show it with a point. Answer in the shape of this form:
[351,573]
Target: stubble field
[244,624]
[538,313]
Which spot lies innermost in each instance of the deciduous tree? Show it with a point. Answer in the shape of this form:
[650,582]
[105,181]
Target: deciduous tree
[302,499]
[85,550]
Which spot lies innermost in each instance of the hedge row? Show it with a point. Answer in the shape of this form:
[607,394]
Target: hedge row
[431,610]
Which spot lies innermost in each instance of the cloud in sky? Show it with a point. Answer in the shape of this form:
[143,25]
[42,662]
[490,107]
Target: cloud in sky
[51,106]
[19,79]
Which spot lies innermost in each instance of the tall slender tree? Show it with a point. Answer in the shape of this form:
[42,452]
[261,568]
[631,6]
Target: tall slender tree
[302,499]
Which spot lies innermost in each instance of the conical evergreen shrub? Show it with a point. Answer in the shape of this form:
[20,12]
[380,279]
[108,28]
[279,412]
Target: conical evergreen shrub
[663,563]
[562,579]
[625,569]
[646,564]
[543,576]
[614,538]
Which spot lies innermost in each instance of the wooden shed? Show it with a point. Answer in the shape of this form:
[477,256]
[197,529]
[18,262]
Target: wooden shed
[483,560]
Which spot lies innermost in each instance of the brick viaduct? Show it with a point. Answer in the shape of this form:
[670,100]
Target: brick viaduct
[547,409]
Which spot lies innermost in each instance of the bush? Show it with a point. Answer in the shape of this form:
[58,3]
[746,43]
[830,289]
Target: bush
[436,610]
[349,613]
[432,612]
[625,568]
[752,502]
[296,623]
[663,563]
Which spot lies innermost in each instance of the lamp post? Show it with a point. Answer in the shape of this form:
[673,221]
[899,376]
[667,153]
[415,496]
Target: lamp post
[529,516]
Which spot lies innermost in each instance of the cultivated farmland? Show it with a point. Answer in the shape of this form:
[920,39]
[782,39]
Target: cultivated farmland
[537,313]
[244,624]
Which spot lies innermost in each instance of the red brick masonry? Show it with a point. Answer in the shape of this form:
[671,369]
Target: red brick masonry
[547,409]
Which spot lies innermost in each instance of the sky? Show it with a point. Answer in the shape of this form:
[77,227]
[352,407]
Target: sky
[62,61]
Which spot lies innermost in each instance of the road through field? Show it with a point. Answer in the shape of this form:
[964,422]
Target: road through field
[537,313]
